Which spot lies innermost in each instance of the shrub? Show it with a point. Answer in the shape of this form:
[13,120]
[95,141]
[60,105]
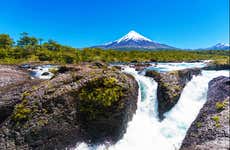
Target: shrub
[220,105]
[217,120]
[21,113]
[28,49]
[104,92]
[98,96]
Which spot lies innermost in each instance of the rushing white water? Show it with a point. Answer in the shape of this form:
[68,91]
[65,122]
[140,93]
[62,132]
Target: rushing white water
[162,67]
[145,131]
[43,72]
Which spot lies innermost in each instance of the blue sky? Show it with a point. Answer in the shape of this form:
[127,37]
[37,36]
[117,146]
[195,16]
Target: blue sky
[82,23]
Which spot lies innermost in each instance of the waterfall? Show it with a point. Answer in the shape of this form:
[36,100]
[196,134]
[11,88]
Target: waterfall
[145,131]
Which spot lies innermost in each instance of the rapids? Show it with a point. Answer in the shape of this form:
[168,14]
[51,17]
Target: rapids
[145,131]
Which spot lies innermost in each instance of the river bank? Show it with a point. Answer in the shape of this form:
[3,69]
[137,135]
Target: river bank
[143,130]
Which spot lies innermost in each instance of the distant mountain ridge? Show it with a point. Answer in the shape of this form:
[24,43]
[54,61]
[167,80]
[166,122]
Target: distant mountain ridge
[219,46]
[134,41]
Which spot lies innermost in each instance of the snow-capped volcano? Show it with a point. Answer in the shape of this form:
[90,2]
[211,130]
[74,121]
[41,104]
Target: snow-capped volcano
[133,35]
[134,41]
[220,46]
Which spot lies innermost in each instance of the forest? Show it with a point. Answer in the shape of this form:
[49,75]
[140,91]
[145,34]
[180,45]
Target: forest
[31,49]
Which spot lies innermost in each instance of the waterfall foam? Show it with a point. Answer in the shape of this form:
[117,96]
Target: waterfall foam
[145,131]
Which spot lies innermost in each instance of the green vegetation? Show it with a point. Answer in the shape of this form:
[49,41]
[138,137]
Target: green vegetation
[42,122]
[103,92]
[198,124]
[53,70]
[221,61]
[217,120]
[21,113]
[177,88]
[220,105]
[98,95]
[24,94]
[5,41]
[30,49]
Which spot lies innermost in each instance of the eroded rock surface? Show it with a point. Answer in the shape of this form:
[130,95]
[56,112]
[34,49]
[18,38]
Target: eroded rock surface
[217,67]
[170,87]
[81,103]
[13,82]
[210,130]
[11,75]
[141,66]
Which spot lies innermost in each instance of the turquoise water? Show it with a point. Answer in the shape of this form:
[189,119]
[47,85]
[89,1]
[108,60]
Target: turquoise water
[145,131]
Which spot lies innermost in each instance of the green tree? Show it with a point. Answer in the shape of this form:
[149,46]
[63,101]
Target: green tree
[27,40]
[52,45]
[40,41]
[6,41]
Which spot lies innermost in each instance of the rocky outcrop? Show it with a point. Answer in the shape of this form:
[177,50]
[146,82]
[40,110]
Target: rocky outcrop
[217,67]
[170,86]
[140,66]
[84,104]
[13,82]
[210,130]
[11,75]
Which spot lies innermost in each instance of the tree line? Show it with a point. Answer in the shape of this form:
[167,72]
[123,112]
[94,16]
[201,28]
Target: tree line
[29,48]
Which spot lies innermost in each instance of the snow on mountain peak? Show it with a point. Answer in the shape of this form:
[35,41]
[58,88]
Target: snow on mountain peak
[222,44]
[133,35]
[134,41]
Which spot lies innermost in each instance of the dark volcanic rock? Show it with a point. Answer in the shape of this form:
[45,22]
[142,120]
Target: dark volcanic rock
[72,107]
[107,122]
[217,67]
[170,86]
[210,130]
[11,75]
[141,66]
[13,82]
[45,74]
[100,64]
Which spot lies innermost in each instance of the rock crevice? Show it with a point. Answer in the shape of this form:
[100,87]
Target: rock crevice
[170,87]
[53,114]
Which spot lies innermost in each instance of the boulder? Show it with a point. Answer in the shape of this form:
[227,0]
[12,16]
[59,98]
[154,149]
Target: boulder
[91,105]
[170,87]
[210,130]
[99,64]
[45,73]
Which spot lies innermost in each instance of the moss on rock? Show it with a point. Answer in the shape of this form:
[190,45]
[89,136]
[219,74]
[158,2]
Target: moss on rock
[91,105]
[170,86]
[104,92]
[21,113]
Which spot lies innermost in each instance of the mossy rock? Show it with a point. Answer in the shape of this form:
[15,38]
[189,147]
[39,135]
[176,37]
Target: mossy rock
[103,108]
[170,86]
[91,105]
